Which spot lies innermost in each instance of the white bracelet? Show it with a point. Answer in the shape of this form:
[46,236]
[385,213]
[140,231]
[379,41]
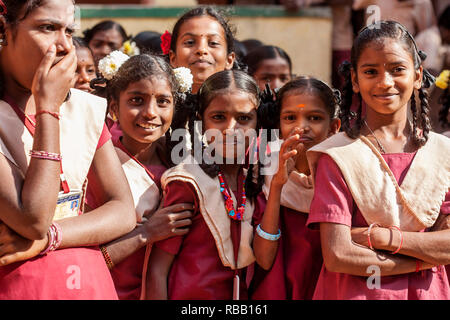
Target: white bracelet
[268,236]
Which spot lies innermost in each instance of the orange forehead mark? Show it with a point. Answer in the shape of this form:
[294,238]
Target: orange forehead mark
[301,105]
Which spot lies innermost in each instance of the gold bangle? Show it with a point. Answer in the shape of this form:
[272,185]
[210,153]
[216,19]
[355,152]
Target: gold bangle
[108,260]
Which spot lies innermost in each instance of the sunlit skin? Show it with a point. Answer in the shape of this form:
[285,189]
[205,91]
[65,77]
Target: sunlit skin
[305,114]
[105,42]
[30,40]
[201,46]
[144,111]
[385,78]
[85,69]
[275,72]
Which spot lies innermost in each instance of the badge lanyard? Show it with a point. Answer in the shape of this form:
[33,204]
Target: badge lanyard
[31,126]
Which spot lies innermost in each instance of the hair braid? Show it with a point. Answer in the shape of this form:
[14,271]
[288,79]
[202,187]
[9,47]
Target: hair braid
[425,111]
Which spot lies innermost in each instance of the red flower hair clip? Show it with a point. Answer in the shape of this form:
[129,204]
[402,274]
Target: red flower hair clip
[166,39]
[3,9]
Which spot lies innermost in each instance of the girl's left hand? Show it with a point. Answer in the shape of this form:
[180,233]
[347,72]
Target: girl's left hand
[14,247]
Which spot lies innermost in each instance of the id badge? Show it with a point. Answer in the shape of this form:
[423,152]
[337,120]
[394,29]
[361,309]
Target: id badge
[68,204]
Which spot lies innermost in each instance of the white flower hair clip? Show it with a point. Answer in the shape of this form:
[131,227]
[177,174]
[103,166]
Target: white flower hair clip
[130,48]
[184,78]
[109,65]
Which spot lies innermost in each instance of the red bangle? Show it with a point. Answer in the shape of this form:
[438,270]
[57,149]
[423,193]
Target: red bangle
[54,114]
[401,239]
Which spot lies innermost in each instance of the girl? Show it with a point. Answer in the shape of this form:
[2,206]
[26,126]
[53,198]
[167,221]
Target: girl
[269,64]
[85,66]
[306,112]
[404,192]
[202,41]
[50,137]
[142,95]
[104,38]
[210,261]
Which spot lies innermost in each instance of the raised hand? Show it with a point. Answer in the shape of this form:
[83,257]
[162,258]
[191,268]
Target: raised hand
[53,79]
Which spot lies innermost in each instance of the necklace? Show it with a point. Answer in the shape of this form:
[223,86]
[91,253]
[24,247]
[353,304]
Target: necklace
[229,201]
[373,134]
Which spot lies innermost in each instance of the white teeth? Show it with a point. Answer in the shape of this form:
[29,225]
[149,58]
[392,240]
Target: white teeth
[148,126]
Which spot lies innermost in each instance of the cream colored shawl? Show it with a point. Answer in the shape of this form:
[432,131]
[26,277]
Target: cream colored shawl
[297,192]
[415,204]
[212,208]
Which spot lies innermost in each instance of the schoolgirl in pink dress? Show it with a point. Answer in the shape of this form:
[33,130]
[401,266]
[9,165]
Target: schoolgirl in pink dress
[211,260]
[289,260]
[382,187]
[142,94]
[50,137]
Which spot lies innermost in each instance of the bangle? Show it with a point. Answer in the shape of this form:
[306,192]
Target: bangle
[54,235]
[401,239]
[368,234]
[108,260]
[45,155]
[53,114]
[268,236]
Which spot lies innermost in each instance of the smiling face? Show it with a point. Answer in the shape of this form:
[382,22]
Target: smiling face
[85,69]
[386,77]
[308,112]
[231,112]
[52,23]
[275,72]
[145,111]
[202,47]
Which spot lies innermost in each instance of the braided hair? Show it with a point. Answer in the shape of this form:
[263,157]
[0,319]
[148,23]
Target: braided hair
[420,114]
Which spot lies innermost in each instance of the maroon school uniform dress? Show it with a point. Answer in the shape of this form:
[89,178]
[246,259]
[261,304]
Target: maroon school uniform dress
[65,274]
[197,273]
[333,203]
[127,275]
[297,264]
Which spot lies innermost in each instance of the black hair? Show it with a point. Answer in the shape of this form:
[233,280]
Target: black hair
[220,16]
[215,85]
[254,57]
[444,99]
[271,108]
[251,44]
[80,43]
[148,42]
[377,32]
[444,18]
[104,26]
[136,68]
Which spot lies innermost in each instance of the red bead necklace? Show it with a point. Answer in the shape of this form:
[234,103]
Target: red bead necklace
[235,215]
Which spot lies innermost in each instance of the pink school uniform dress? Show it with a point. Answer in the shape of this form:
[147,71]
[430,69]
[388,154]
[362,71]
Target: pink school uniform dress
[72,273]
[127,275]
[333,203]
[297,264]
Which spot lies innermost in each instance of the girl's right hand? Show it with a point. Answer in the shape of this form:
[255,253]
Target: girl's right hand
[52,82]
[168,222]
[288,150]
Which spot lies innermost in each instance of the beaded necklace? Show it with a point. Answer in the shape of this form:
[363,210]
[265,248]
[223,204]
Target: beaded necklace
[229,200]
